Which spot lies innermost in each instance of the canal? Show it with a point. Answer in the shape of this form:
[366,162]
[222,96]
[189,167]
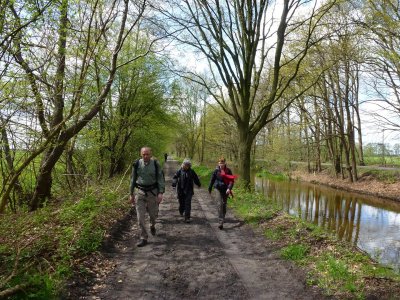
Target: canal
[372,224]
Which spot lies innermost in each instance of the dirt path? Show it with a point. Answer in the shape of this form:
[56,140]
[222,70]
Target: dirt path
[196,260]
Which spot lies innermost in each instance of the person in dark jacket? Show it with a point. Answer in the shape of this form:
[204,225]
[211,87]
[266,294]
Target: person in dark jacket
[184,180]
[223,186]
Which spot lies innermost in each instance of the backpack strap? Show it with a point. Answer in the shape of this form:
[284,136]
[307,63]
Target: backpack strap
[136,166]
[156,168]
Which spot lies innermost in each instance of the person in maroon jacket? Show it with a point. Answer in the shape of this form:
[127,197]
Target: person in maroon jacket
[221,182]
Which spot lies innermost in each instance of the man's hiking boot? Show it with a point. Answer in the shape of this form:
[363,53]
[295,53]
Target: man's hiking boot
[187,220]
[142,243]
[221,226]
[153,230]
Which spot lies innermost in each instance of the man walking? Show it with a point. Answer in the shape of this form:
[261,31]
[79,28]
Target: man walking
[146,191]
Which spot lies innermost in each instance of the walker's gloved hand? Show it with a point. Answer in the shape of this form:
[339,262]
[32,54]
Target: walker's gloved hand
[209,189]
[132,199]
[159,198]
[228,191]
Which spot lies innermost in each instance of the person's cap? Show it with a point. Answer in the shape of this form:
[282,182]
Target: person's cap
[187,162]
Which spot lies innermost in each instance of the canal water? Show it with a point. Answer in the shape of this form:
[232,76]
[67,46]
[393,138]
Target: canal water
[371,224]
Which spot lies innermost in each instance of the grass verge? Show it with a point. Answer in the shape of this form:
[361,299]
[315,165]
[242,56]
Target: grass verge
[335,266]
[39,250]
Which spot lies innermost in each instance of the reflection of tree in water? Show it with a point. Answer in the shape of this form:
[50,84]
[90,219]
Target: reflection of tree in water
[339,212]
[333,212]
[317,208]
[342,215]
[358,224]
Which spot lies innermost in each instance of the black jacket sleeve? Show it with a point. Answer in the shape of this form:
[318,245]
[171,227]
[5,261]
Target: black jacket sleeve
[196,179]
[175,178]
[212,180]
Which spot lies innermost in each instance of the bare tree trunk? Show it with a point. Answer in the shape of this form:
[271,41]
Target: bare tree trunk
[44,181]
[318,164]
[100,166]
[308,148]
[245,143]
[330,133]
[10,160]
[70,166]
[350,129]
[203,137]
[358,122]
[102,149]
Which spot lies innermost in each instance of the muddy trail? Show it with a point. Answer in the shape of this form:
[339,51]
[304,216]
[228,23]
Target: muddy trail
[191,261]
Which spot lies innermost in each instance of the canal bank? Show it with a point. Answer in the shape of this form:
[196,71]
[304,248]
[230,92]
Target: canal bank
[339,266]
[367,184]
[369,223]
[336,266]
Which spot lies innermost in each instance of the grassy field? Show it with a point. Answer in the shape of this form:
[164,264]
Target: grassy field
[387,161]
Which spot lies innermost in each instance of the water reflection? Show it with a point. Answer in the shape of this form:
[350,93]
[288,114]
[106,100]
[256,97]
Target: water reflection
[371,224]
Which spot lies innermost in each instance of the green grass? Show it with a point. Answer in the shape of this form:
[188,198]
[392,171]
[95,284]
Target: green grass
[334,275]
[387,176]
[295,252]
[333,265]
[251,207]
[267,174]
[392,161]
[204,174]
[46,244]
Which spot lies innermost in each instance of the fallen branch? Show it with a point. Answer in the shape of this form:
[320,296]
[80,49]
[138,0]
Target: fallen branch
[11,291]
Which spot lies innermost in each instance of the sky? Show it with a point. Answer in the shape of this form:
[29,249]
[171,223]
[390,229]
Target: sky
[374,130]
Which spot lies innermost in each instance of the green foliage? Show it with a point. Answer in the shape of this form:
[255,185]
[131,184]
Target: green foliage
[48,241]
[268,174]
[334,273]
[334,266]
[252,207]
[220,138]
[316,231]
[296,252]
[189,108]
[273,234]
[390,161]
[40,287]
[204,174]
[387,176]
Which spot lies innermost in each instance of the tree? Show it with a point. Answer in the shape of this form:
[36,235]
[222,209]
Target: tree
[188,105]
[140,95]
[332,106]
[381,19]
[236,38]
[74,37]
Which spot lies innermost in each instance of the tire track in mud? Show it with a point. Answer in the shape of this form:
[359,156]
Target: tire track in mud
[258,265]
